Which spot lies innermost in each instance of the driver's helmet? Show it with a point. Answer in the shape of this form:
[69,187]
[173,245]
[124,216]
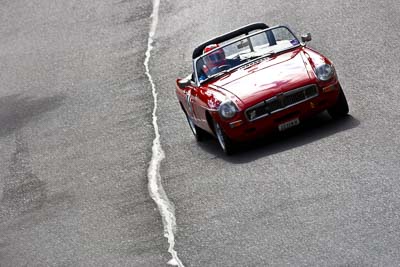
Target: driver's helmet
[216,58]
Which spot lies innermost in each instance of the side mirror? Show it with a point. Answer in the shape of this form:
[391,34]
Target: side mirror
[306,37]
[182,83]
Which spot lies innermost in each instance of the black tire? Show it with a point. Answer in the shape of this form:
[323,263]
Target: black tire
[198,133]
[224,141]
[341,108]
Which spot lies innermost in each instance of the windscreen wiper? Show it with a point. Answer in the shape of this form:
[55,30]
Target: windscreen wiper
[222,72]
[250,56]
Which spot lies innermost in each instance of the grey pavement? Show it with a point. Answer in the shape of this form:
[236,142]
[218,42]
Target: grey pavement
[76,135]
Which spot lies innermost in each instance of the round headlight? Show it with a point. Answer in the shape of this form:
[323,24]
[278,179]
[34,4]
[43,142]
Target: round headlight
[324,72]
[227,110]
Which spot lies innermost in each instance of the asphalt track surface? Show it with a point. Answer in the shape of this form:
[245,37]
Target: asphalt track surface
[76,134]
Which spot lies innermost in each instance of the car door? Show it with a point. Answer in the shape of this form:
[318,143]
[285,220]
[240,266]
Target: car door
[199,100]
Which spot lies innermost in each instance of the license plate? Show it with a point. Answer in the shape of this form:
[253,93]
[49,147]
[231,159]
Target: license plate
[288,124]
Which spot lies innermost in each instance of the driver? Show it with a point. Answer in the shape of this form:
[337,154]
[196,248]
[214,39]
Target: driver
[214,60]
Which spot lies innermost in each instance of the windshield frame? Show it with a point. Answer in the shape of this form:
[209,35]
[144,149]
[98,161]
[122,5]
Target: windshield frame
[234,40]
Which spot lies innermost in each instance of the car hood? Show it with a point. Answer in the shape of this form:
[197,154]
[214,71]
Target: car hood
[267,78]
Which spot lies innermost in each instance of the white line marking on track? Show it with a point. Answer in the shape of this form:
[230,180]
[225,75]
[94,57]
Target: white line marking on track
[156,189]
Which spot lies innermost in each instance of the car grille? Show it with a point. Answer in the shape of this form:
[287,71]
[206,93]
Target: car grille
[280,102]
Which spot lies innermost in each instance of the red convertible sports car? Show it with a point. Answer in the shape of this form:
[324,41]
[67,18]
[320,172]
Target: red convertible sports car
[254,80]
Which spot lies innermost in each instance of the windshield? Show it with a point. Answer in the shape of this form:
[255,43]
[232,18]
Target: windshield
[229,55]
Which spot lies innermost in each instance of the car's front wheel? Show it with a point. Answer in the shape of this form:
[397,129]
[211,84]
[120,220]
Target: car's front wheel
[341,108]
[224,141]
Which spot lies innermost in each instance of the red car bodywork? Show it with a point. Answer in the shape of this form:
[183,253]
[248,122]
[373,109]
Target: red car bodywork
[250,85]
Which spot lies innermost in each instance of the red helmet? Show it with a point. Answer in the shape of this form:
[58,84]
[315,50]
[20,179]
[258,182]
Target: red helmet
[216,58]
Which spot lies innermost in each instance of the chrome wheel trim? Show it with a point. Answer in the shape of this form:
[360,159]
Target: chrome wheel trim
[192,126]
[220,135]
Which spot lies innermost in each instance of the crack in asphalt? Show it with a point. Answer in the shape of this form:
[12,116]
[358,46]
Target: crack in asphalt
[156,190]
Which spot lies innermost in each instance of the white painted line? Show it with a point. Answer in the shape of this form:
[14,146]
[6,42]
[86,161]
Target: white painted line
[156,189]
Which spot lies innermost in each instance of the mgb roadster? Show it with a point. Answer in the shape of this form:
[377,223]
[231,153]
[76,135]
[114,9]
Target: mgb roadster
[256,80]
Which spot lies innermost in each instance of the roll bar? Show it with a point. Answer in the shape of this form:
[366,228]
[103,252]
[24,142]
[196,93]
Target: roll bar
[198,51]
